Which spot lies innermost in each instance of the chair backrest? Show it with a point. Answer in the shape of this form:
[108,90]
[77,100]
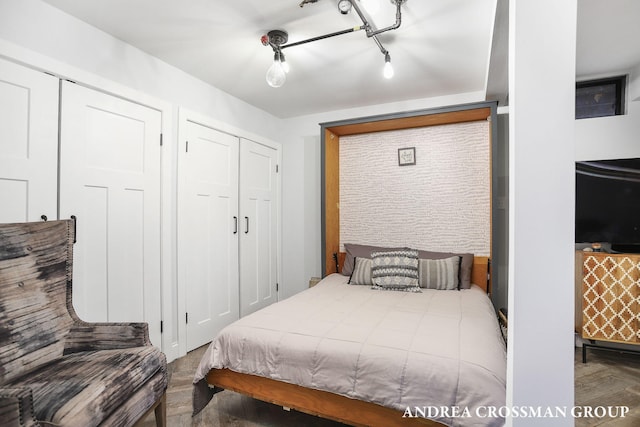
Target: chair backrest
[35,294]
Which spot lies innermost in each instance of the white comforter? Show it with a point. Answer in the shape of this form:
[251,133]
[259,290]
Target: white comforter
[397,349]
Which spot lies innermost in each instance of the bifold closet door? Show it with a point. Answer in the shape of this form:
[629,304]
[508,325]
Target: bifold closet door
[258,239]
[208,230]
[110,157]
[28,144]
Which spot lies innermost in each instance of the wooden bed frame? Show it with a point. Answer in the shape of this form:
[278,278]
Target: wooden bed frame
[325,404]
[321,403]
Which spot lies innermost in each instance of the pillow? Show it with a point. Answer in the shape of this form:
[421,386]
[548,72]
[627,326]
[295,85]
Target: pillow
[361,272]
[395,270]
[352,251]
[439,274]
[466,263]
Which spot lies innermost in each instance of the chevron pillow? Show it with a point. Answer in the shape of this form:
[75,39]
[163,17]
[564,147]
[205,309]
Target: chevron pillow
[395,270]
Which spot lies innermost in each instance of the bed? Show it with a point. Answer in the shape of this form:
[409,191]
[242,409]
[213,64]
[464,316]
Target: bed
[367,357]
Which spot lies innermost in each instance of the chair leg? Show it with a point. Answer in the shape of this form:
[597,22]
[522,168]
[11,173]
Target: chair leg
[161,411]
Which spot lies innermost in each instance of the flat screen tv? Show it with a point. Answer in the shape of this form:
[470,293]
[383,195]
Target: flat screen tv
[608,203]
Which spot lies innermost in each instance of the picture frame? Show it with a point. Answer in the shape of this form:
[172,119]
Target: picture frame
[407,156]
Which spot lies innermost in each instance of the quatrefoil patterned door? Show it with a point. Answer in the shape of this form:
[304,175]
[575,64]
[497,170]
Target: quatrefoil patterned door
[611,297]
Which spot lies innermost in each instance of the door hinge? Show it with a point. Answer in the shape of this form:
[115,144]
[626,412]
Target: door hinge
[161,326]
[186,318]
[277,168]
[186,150]
[160,140]
[277,287]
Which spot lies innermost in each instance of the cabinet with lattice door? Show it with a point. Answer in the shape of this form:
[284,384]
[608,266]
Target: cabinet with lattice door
[611,297]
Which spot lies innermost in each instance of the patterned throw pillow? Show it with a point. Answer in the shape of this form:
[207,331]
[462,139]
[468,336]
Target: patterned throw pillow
[395,270]
[361,272]
[439,273]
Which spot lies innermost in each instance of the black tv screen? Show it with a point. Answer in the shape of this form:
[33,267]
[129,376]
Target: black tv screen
[608,203]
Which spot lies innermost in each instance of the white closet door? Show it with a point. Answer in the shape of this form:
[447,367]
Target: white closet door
[28,144]
[110,180]
[208,231]
[258,239]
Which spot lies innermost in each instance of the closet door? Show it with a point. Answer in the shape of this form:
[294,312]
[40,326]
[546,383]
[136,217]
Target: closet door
[28,144]
[208,231]
[258,212]
[110,180]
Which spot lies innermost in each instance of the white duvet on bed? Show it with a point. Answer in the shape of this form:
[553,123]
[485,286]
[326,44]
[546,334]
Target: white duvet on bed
[398,349]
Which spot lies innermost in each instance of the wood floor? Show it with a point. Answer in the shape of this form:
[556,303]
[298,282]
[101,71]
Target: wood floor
[607,379]
[226,409]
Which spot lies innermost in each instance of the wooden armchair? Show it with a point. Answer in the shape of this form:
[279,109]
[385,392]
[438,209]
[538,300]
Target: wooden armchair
[55,369]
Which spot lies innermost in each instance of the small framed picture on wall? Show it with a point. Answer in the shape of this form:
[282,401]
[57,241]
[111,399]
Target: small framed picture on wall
[406,156]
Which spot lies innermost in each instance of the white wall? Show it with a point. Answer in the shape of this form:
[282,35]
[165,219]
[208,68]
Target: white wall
[634,84]
[312,205]
[540,356]
[445,195]
[302,258]
[613,137]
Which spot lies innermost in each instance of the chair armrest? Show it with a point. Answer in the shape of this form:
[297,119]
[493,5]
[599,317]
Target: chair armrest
[16,407]
[106,336]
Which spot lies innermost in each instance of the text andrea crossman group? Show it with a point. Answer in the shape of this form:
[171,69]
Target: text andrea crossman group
[434,412]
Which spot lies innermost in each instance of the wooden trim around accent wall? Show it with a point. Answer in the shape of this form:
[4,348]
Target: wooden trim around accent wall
[331,159]
[331,199]
[434,119]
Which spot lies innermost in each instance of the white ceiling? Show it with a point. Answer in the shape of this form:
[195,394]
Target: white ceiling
[608,37]
[443,47]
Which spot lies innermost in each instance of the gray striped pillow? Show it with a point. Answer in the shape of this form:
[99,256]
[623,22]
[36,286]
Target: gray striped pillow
[361,272]
[442,274]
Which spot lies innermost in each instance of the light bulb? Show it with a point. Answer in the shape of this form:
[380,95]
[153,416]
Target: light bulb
[388,69]
[275,74]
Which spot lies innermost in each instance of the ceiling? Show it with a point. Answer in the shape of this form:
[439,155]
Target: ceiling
[442,47]
[608,37]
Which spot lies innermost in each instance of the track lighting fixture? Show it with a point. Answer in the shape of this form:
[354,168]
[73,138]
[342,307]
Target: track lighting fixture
[277,39]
